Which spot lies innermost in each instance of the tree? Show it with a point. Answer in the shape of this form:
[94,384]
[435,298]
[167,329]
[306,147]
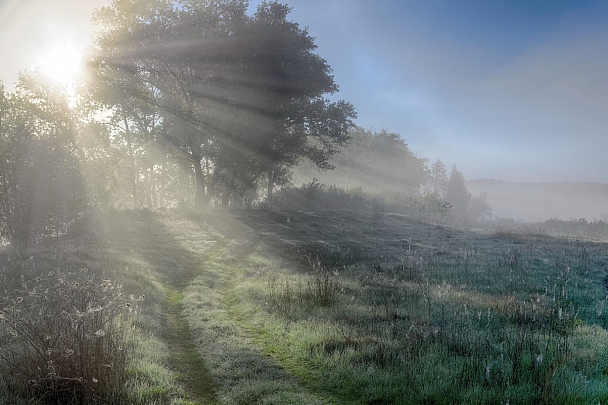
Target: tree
[123,84]
[293,80]
[240,96]
[42,190]
[479,208]
[438,179]
[457,194]
[374,161]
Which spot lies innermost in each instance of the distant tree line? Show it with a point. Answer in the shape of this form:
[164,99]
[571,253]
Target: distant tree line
[537,201]
[382,162]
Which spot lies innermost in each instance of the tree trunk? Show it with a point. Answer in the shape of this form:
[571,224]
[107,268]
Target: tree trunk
[153,186]
[163,181]
[226,199]
[200,198]
[133,179]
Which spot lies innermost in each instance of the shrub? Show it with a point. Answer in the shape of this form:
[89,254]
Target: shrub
[65,338]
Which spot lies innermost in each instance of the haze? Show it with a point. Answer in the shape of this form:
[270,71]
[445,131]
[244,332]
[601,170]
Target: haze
[507,90]
[512,90]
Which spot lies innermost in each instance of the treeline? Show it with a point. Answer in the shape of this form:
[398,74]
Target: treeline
[576,227]
[380,165]
[185,102]
[197,103]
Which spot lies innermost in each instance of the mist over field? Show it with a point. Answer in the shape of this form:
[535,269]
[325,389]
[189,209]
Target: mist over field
[266,202]
[536,202]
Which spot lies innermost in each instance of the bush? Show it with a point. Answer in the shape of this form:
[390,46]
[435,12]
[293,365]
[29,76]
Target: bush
[314,196]
[65,338]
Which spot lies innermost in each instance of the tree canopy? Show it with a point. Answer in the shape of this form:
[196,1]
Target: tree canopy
[242,98]
[457,194]
[42,189]
[373,161]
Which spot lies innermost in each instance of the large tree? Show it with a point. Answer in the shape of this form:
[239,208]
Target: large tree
[294,80]
[437,179]
[241,96]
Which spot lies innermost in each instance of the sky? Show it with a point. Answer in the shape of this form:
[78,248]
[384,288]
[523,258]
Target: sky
[515,90]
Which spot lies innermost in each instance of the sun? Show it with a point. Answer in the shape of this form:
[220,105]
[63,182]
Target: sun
[62,62]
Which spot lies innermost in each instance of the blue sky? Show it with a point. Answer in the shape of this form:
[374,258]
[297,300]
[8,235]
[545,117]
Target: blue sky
[511,90]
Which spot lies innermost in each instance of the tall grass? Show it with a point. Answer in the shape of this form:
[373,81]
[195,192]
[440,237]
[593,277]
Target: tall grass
[106,343]
[66,338]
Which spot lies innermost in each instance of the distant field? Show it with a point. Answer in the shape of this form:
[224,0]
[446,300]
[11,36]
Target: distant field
[246,307]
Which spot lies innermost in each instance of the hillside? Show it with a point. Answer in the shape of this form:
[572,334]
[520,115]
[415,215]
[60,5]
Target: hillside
[535,202]
[289,307]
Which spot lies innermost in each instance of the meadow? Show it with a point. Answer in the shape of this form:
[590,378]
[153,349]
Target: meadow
[284,307]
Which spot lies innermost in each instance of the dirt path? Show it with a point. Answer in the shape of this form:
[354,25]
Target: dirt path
[193,372]
[165,245]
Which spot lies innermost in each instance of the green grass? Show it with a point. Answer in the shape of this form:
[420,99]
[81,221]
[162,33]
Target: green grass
[187,358]
[135,252]
[246,307]
[431,315]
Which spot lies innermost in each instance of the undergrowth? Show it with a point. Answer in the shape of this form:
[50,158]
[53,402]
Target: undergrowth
[66,338]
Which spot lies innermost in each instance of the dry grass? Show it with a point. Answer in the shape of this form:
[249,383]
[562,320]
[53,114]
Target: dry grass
[66,337]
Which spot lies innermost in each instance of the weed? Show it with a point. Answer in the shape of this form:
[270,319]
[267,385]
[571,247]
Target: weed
[286,296]
[66,337]
[321,290]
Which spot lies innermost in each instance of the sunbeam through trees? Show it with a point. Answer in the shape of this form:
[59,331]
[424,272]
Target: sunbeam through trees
[239,99]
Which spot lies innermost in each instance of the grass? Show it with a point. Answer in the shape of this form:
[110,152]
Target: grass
[259,307]
[135,252]
[428,314]
[186,356]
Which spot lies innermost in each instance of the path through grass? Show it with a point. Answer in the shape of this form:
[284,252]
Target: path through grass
[199,259]
[191,369]
[253,307]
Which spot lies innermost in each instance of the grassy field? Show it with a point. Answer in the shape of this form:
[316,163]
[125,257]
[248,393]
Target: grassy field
[261,307]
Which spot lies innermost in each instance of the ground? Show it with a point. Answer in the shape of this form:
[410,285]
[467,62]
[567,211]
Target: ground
[340,307]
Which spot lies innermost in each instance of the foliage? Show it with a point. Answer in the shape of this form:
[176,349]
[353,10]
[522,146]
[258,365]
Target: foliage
[457,194]
[437,179]
[239,97]
[286,297]
[42,189]
[373,161]
[575,227]
[315,196]
[478,208]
